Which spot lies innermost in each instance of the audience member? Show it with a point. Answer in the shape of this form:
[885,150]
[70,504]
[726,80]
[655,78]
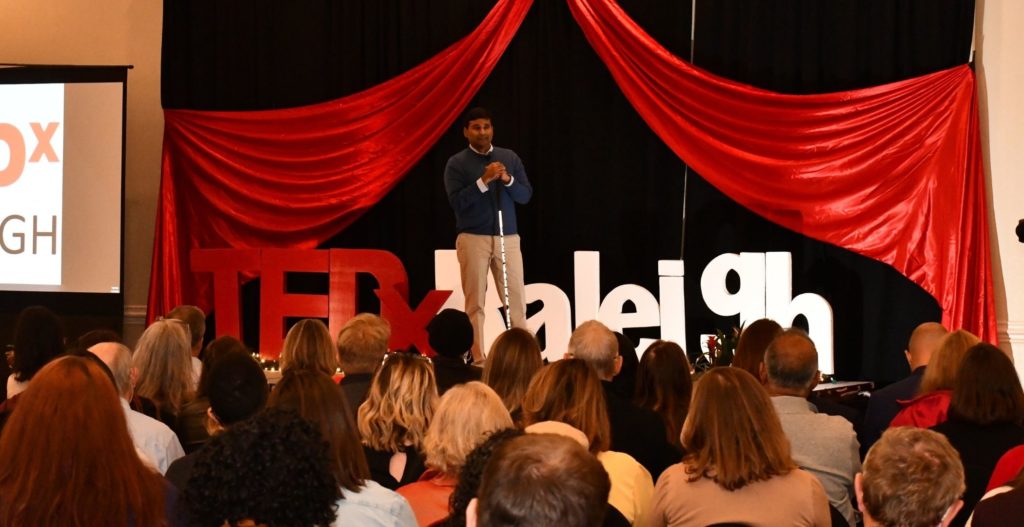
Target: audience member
[96,336]
[394,418]
[624,384]
[38,339]
[192,420]
[929,406]
[737,468]
[236,388]
[754,339]
[152,437]
[1007,468]
[663,384]
[636,431]
[540,479]
[821,444]
[985,418]
[270,470]
[308,346]
[316,398]
[451,337]
[469,477]
[195,319]
[883,404]
[465,416]
[1000,504]
[569,391]
[163,360]
[66,456]
[911,478]
[512,362]
[362,343]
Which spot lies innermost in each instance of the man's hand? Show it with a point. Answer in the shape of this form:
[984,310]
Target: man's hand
[494,171]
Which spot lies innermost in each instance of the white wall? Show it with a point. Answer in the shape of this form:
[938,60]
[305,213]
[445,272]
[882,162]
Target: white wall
[999,41]
[97,33]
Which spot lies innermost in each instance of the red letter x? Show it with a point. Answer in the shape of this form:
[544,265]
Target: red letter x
[43,147]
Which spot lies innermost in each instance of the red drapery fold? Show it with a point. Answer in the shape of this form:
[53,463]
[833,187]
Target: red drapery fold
[308,172]
[892,172]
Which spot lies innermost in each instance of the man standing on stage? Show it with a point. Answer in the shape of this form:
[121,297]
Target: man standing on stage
[480,181]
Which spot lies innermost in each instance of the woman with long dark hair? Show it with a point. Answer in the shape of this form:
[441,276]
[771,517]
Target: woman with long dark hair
[663,384]
[38,339]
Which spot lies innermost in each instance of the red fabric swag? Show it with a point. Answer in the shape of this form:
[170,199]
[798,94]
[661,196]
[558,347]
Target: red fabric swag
[293,178]
[892,172]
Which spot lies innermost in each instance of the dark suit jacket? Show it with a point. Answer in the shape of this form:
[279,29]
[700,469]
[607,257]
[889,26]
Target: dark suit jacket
[980,447]
[639,432]
[356,386]
[883,405]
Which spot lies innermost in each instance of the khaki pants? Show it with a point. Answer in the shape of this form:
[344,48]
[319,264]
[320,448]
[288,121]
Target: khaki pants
[477,253]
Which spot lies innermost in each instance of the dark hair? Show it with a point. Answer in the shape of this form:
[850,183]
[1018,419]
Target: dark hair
[236,387]
[315,397]
[543,479]
[96,336]
[664,385]
[272,469]
[625,382]
[450,333]
[791,360]
[987,389]
[214,350]
[512,362]
[469,476]
[473,114]
[751,345]
[38,339]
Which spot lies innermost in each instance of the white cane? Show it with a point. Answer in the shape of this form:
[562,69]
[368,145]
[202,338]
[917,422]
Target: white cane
[504,269]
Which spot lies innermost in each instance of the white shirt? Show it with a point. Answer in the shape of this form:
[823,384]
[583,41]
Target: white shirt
[374,506]
[197,369]
[15,387]
[153,438]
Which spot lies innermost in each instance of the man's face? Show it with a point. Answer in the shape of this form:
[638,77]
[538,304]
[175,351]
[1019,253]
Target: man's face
[479,134]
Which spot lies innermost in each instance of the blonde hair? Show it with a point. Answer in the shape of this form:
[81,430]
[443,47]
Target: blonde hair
[732,434]
[945,362]
[308,346]
[399,405]
[511,364]
[466,415]
[362,342]
[163,357]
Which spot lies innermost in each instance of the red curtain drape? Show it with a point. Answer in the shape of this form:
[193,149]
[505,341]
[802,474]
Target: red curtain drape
[892,172]
[295,177]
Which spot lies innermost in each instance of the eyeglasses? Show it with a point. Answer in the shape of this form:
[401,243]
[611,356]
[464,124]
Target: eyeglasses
[411,352]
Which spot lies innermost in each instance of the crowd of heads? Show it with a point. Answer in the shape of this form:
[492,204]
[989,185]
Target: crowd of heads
[289,455]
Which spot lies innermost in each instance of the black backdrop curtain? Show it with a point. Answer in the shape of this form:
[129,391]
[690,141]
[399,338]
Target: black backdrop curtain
[603,181]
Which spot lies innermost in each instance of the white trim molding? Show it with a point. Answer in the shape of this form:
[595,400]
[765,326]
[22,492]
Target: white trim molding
[1011,332]
[135,315]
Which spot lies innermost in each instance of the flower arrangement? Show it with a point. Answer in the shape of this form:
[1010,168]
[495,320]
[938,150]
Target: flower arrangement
[721,349]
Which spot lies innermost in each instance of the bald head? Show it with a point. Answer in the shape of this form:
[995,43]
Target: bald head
[791,363]
[923,342]
[118,358]
[596,345]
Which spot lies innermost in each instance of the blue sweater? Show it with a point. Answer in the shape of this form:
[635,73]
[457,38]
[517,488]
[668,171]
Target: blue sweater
[475,211]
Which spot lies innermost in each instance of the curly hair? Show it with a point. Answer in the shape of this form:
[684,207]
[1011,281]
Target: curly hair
[272,469]
[469,476]
[399,405]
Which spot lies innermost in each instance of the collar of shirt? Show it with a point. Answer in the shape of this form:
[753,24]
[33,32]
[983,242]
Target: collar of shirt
[489,150]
